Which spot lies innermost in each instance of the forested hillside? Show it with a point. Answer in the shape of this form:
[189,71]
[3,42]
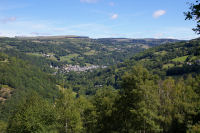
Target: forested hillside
[154,91]
[80,51]
[18,79]
[174,59]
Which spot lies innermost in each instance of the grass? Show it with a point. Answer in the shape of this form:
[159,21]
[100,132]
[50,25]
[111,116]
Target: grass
[161,53]
[35,54]
[180,59]
[166,66]
[92,52]
[194,58]
[68,57]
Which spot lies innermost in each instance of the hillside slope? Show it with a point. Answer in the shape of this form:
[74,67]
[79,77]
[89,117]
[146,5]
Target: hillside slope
[172,59]
[18,79]
[79,50]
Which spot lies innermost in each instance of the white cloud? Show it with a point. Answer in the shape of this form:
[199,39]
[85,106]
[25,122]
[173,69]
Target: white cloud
[89,1]
[114,16]
[8,19]
[159,13]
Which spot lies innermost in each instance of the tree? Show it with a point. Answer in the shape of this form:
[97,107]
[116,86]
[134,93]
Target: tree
[34,115]
[186,106]
[3,126]
[137,107]
[178,104]
[194,14]
[88,114]
[69,115]
[103,101]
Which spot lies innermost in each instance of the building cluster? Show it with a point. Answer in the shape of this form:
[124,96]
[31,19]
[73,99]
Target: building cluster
[77,68]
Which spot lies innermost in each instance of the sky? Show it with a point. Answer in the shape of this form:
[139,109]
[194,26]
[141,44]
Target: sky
[96,18]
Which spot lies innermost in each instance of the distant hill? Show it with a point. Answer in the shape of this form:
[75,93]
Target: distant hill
[79,50]
[50,37]
[177,59]
[147,41]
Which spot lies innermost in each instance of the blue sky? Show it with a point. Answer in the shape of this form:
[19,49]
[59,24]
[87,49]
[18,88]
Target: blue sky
[96,18]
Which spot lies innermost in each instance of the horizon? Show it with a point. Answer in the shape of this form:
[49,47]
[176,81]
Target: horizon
[74,36]
[97,19]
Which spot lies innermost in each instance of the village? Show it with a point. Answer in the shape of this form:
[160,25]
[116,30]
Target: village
[77,68]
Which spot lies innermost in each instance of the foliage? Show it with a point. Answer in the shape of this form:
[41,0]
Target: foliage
[3,126]
[34,115]
[155,91]
[23,79]
[103,101]
[138,103]
[194,14]
[69,116]
[77,51]
[173,59]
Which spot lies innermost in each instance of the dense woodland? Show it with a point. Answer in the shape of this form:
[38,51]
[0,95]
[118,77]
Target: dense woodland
[79,51]
[156,90]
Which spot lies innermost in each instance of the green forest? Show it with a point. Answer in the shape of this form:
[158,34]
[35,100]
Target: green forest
[109,85]
[154,91]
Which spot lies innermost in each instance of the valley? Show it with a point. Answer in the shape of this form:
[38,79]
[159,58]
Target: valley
[99,66]
[96,78]
[82,51]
